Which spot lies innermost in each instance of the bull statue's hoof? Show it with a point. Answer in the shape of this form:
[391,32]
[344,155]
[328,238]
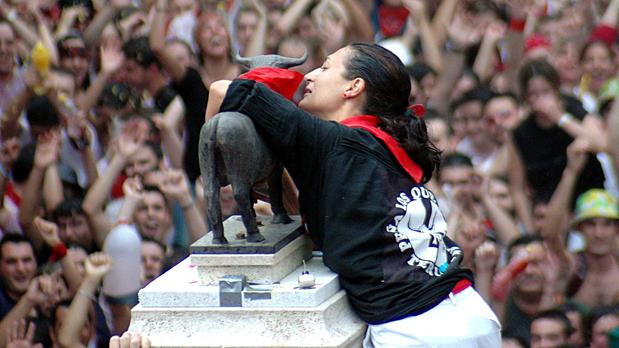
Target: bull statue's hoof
[281,219]
[220,240]
[255,237]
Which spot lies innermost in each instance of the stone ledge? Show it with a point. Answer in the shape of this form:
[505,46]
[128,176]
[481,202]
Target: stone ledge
[332,324]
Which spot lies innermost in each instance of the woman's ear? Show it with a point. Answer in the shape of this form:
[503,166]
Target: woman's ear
[355,88]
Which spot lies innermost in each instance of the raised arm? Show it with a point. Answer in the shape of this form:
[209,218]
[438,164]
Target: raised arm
[101,19]
[112,59]
[46,155]
[49,232]
[613,134]
[257,44]
[175,186]
[168,129]
[291,16]
[554,228]
[360,22]
[157,43]
[611,14]
[484,63]
[517,185]
[431,49]
[462,34]
[96,266]
[98,194]
[441,20]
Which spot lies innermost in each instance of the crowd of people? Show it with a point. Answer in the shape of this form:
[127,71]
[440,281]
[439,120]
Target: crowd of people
[102,102]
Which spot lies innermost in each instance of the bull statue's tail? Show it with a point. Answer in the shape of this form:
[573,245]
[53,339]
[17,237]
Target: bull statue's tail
[208,169]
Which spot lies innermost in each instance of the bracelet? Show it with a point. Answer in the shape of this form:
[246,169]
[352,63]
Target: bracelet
[565,118]
[59,251]
[188,205]
[517,24]
[87,295]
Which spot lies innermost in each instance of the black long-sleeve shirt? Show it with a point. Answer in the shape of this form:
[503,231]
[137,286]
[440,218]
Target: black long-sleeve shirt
[378,229]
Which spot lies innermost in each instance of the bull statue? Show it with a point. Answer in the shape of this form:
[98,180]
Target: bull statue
[232,152]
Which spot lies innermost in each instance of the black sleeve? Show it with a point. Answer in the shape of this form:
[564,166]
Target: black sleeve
[300,140]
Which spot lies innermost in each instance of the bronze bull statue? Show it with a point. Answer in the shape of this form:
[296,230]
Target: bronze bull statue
[232,152]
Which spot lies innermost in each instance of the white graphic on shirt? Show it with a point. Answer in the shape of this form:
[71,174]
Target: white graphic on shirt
[420,231]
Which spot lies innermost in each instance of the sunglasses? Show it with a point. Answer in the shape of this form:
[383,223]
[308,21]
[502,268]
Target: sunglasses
[71,52]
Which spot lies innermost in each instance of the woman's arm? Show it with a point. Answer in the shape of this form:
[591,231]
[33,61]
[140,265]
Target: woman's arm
[431,50]
[293,134]
[360,23]
[517,185]
[157,43]
[257,44]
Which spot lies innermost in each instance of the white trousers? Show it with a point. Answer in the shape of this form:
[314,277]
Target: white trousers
[463,320]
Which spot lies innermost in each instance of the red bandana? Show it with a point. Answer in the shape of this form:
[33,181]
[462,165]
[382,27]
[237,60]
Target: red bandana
[282,81]
[369,123]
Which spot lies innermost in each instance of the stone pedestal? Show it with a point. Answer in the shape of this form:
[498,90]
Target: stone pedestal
[188,306]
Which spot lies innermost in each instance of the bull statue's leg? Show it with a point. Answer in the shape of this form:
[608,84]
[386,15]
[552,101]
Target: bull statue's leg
[212,192]
[280,216]
[242,195]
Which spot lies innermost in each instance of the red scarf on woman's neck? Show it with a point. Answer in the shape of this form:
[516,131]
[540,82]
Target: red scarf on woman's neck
[370,124]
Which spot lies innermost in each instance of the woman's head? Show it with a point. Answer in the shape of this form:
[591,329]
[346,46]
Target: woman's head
[597,63]
[539,81]
[369,79]
[212,35]
[387,84]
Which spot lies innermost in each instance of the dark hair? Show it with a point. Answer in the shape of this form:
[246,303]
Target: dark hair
[538,68]
[153,188]
[481,94]
[138,49]
[15,238]
[456,159]
[592,43]
[153,240]
[557,315]
[41,112]
[68,208]
[420,70]
[598,313]
[387,87]
[509,95]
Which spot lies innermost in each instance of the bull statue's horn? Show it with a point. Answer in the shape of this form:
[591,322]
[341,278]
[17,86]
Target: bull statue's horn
[246,62]
[288,62]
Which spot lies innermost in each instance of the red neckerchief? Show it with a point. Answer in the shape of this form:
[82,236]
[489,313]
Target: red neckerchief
[369,123]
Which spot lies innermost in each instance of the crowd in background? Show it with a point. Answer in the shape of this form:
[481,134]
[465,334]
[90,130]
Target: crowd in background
[102,102]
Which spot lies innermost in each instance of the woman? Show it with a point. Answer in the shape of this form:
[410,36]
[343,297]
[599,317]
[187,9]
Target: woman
[537,148]
[361,192]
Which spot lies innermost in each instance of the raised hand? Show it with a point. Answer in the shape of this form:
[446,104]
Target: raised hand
[463,32]
[112,58]
[128,145]
[97,265]
[48,231]
[495,31]
[47,149]
[486,257]
[577,154]
[132,188]
[41,290]
[20,335]
[174,185]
